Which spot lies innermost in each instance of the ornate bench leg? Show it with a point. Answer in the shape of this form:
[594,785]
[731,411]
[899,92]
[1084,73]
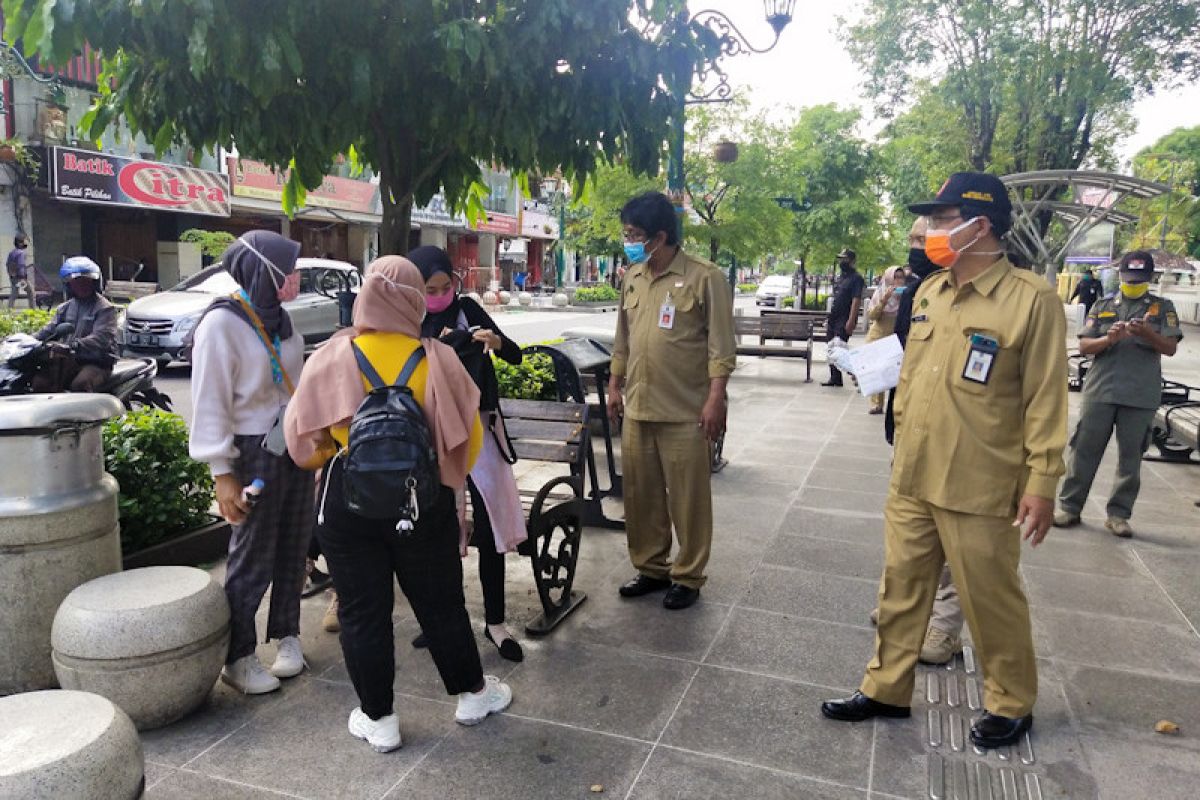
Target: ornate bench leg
[553,549]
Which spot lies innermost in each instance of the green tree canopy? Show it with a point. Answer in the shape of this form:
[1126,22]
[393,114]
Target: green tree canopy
[1173,222]
[420,90]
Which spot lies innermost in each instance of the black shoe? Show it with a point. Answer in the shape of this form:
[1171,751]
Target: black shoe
[420,642]
[643,584]
[508,648]
[831,383]
[858,707]
[315,583]
[992,730]
[680,596]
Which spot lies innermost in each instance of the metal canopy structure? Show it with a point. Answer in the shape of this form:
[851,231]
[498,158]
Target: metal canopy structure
[1095,197]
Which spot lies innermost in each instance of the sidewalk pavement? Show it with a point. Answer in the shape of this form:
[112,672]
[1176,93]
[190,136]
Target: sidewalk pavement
[721,700]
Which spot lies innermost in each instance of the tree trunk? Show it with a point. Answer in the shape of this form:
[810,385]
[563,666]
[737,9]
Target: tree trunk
[397,216]
[713,247]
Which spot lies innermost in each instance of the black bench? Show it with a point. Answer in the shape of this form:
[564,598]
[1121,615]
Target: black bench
[1176,429]
[786,326]
[555,433]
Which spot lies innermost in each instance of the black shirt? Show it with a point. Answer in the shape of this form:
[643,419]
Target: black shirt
[848,286]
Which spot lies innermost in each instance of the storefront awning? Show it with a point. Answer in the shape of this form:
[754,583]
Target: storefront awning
[272,208]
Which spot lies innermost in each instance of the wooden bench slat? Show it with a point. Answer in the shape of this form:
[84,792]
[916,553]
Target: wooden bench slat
[546,451]
[549,410]
[522,428]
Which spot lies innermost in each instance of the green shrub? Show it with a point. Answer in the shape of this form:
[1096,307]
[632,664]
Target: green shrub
[163,491]
[212,243]
[596,294]
[789,302]
[747,288]
[532,379]
[27,321]
[816,303]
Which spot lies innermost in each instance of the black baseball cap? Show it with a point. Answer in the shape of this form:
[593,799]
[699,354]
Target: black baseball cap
[1137,264]
[848,253]
[977,193]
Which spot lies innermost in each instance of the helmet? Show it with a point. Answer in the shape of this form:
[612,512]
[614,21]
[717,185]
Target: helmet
[79,267]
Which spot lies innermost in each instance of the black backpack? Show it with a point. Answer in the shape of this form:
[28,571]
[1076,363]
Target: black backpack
[391,467]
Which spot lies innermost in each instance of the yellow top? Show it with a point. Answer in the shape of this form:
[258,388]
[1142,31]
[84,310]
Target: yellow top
[387,353]
[977,447]
[668,365]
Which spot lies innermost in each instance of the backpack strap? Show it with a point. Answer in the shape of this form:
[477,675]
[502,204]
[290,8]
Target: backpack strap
[410,366]
[367,370]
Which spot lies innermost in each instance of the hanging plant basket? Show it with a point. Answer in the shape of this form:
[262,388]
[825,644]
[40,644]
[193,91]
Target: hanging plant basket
[7,153]
[725,152]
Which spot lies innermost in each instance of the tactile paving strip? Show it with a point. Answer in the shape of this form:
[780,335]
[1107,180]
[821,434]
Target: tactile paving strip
[958,770]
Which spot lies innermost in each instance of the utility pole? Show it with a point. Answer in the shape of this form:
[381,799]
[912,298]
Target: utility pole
[1162,242]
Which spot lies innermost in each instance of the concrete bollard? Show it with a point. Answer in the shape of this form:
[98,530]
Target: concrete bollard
[62,745]
[58,522]
[151,640]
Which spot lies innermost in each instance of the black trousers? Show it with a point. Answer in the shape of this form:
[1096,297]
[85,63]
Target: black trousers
[363,556]
[491,562]
[837,328]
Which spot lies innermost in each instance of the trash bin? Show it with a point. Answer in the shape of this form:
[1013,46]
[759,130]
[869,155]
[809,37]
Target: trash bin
[58,522]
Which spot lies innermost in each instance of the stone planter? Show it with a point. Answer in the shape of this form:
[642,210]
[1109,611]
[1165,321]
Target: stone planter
[151,640]
[58,522]
[525,298]
[505,298]
[490,298]
[561,300]
[192,548]
[60,745]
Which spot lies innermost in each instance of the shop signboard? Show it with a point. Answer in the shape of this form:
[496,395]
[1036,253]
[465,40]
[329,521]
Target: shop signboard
[437,212]
[498,223]
[259,181]
[538,221]
[87,176]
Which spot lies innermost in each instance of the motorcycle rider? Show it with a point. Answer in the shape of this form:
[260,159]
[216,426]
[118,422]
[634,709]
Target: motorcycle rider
[85,362]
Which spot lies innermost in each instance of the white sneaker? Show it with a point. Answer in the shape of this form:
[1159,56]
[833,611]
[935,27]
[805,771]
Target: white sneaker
[382,734]
[249,676]
[289,660]
[473,707]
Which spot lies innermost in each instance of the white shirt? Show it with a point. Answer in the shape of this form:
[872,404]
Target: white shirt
[233,393]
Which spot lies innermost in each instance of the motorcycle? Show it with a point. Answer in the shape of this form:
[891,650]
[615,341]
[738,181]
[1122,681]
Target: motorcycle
[131,382]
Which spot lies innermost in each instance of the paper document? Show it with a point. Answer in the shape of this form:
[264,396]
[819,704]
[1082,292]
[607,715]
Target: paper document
[875,366]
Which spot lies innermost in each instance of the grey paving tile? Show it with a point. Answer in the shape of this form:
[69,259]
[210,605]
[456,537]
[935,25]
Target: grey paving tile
[762,471]
[845,480]
[832,459]
[193,786]
[771,723]
[1111,703]
[225,712]
[292,747]
[600,688]
[843,499]
[1126,769]
[507,758]
[677,775]
[1106,641]
[859,559]
[863,526]
[815,652]
[1177,572]
[642,624]
[1080,550]
[731,566]
[156,772]
[794,462]
[1131,597]
[814,595]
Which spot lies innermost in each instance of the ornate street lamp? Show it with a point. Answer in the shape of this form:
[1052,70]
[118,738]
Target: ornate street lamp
[14,65]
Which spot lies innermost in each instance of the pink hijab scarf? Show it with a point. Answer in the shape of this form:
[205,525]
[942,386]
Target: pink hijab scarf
[889,280]
[392,300]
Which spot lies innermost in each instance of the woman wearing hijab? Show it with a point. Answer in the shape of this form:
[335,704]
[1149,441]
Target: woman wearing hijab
[882,313]
[366,555]
[245,358]
[499,522]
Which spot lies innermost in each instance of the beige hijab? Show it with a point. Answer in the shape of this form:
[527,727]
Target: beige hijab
[392,300]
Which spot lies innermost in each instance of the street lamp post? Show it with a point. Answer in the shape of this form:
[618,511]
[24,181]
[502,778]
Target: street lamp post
[707,82]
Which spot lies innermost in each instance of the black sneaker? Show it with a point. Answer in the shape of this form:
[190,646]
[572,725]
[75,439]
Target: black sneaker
[315,583]
[642,585]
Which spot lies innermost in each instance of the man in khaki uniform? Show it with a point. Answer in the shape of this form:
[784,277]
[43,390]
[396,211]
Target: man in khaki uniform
[981,424]
[673,355]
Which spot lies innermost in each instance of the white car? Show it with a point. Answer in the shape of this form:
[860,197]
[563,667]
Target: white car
[156,325]
[773,287]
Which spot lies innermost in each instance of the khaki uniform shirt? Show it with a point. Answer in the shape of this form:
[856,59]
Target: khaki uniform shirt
[1128,373]
[977,447]
[667,369]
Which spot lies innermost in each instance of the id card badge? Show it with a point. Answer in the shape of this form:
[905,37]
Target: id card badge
[979,361]
[666,314]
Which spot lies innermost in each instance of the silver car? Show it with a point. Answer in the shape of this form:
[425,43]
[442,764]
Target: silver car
[156,325]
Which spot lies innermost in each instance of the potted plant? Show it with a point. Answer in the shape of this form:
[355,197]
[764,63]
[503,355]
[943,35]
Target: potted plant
[17,154]
[166,498]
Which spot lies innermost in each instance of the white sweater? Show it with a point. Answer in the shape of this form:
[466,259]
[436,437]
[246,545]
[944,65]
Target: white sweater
[232,390]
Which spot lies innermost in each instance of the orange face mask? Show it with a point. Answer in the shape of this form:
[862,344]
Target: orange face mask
[941,252]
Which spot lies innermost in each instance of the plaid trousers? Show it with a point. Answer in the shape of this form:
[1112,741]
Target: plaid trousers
[268,549]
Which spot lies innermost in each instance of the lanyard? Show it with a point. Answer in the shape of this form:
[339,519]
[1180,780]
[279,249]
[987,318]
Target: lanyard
[278,373]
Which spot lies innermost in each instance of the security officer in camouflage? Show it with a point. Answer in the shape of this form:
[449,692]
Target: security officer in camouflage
[1127,335]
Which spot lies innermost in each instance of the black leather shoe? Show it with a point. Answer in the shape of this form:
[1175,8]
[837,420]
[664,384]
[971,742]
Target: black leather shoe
[680,596]
[643,584]
[992,730]
[858,707]
[509,649]
[831,383]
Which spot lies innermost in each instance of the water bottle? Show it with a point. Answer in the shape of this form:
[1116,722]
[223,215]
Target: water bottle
[251,493]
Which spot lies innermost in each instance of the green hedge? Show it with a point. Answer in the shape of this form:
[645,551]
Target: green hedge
[27,321]
[747,288]
[163,491]
[596,294]
[532,379]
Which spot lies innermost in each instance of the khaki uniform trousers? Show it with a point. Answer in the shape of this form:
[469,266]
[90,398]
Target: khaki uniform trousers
[667,480]
[983,554]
